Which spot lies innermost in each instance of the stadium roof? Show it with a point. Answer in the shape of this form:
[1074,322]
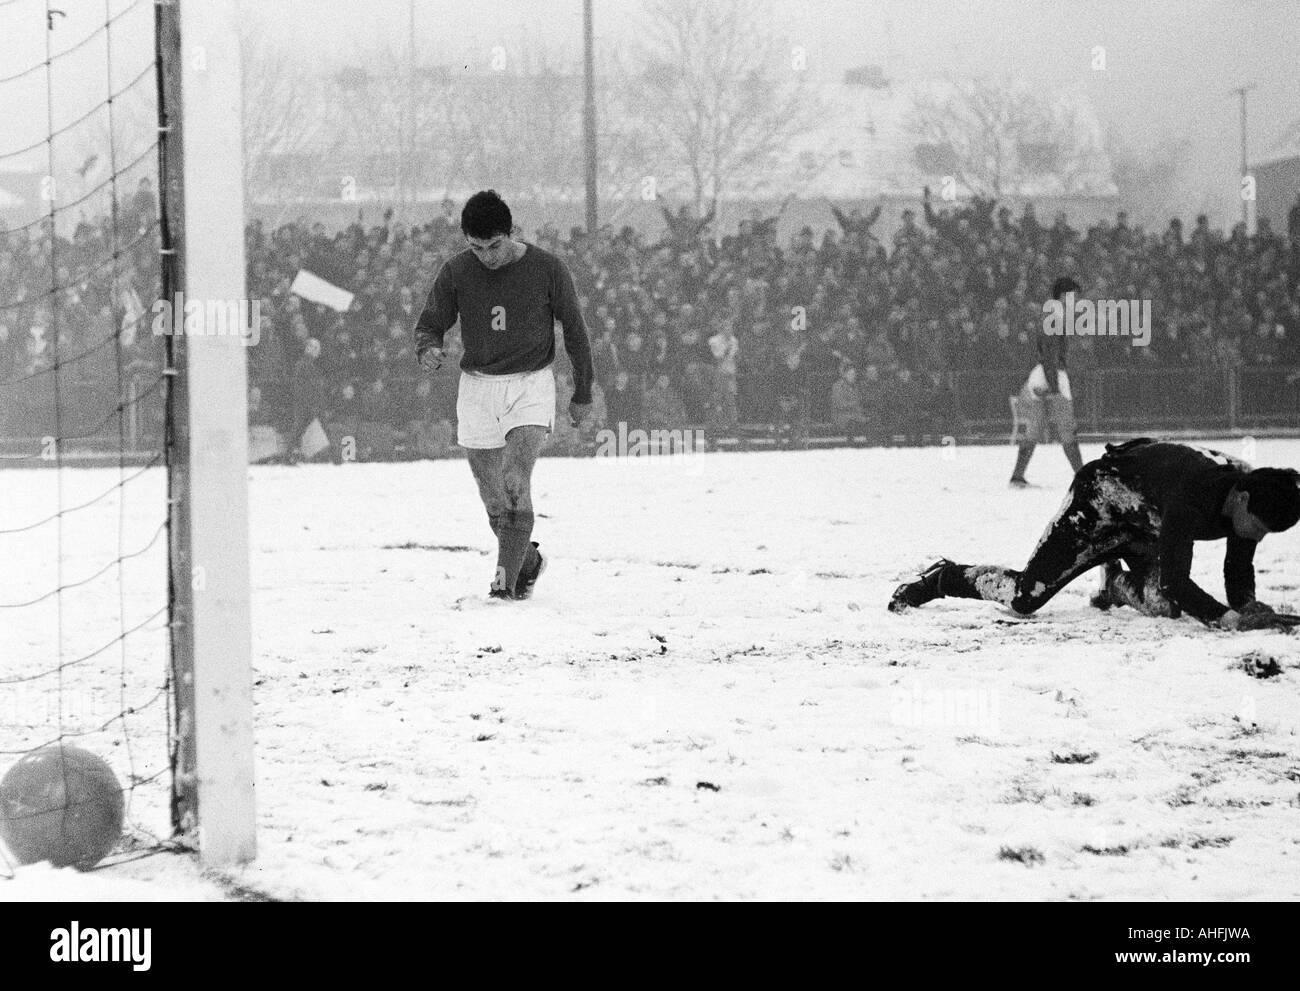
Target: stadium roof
[1287,148]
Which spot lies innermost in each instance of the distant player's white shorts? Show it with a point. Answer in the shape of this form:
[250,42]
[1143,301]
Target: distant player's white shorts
[1036,384]
[489,406]
[1040,415]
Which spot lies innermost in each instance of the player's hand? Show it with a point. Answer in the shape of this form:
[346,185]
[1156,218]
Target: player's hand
[431,358]
[578,412]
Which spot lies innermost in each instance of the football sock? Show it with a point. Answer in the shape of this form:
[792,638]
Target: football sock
[513,543]
[496,521]
[531,557]
[1023,453]
[1072,453]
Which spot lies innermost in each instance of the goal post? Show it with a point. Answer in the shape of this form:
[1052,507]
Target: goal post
[201,213]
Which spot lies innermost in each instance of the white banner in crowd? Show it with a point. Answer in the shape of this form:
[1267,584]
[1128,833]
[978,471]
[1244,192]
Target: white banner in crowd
[316,290]
[313,440]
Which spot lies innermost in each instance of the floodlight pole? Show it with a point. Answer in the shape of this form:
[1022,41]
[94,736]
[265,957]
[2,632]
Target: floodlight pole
[1245,161]
[589,112]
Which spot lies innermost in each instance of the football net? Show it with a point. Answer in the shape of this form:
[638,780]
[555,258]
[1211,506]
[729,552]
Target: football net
[102,586]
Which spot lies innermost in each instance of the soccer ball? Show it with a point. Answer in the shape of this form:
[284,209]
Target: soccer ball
[61,804]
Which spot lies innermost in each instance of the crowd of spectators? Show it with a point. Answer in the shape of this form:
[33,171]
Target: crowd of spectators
[856,327]
[86,301]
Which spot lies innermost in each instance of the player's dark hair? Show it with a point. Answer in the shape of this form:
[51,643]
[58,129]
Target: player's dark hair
[1063,285]
[485,216]
[1274,496]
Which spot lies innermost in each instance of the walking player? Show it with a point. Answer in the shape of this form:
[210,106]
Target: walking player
[507,294]
[1144,503]
[1046,399]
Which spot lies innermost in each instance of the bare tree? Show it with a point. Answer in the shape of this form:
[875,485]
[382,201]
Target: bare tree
[715,88]
[537,105]
[625,148]
[1079,155]
[424,131]
[513,123]
[415,133]
[1000,137]
[110,153]
[367,120]
[279,104]
[529,109]
[1148,179]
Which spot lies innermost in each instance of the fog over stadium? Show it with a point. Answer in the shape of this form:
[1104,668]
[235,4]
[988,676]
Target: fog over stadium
[1164,100]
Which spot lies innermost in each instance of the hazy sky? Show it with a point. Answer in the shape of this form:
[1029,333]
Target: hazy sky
[1170,64]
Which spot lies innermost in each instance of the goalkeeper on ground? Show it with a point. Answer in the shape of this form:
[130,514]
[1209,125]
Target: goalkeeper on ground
[1137,511]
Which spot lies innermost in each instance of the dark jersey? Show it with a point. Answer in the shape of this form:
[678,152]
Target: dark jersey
[507,316]
[1051,355]
[1183,489]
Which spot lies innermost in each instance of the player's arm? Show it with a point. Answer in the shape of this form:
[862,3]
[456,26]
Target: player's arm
[872,217]
[1051,367]
[438,316]
[569,313]
[1239,572]
[1246,612]
[1176,569]
[845,224]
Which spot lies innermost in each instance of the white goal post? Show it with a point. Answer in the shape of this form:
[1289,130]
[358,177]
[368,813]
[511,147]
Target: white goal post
[202,208]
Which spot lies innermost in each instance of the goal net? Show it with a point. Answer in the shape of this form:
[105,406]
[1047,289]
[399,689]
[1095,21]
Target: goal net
[101,590]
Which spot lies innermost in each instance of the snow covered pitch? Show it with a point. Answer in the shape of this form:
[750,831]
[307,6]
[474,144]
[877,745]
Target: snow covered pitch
[706,697]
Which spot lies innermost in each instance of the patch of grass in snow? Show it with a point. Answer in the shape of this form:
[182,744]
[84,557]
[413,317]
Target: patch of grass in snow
[1027,855]
[1074,757]
[1022,792]
[1119,850]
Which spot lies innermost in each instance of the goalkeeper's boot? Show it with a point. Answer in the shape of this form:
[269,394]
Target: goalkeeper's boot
[528,578]
[924,589]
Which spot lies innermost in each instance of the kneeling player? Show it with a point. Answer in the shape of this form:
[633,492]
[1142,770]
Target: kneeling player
[1143,503]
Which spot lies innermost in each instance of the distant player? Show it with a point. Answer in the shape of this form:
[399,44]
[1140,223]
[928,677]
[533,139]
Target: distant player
[1143,503]
[507,294]
[1047,399]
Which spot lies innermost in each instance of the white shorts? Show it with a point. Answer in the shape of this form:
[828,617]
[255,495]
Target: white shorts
[489,406]
[1036,384]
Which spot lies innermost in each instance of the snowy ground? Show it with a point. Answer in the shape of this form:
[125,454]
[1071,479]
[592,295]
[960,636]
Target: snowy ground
[705,699]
